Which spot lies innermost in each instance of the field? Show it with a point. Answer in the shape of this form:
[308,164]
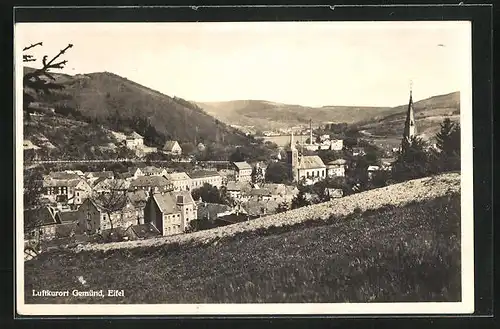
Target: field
[409,253]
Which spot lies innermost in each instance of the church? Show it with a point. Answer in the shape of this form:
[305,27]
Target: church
[309,169]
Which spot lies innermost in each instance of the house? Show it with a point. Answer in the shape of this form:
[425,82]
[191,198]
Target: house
[281,192]
[68,224]
[154,183]
[386,163]
[311,169]
[256,208]
[260,194]
[336,144]
[180,180]
[325,137]
[358,151]
[201,177]
[142,231]
[336,168]
[40,223]
[138,199]
[170,212]
[65,192]
[28,145]
[99,174]
[233,190]
[334,192]
[243,171]
[212,211]
[106,185]
[154,171]
[93,218]
[371,170]
[134,141]
[172,147]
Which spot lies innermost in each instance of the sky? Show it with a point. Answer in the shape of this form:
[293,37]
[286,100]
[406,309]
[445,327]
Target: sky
[303,63]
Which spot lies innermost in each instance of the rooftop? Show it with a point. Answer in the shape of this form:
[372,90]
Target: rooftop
[243,165]
[145,231]
[204,173]
[311,162]
[151,181]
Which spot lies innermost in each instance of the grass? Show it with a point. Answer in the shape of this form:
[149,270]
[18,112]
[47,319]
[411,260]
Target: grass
[388,255]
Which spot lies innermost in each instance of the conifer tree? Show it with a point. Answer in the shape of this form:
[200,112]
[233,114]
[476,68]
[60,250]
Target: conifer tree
[40,81]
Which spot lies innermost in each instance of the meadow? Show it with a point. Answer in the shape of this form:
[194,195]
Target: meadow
[392,254]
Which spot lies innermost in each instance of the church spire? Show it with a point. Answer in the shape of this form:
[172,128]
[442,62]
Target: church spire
[410,129]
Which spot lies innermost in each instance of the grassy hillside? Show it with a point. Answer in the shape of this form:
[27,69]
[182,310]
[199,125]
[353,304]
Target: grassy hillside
[109,98]
[268,115]
[384,121]
[429,114]
[402,254]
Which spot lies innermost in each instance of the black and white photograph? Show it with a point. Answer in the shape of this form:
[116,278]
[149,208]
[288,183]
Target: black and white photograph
[224,168]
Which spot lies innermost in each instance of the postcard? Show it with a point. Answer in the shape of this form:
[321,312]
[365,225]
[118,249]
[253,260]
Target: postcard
[244,168]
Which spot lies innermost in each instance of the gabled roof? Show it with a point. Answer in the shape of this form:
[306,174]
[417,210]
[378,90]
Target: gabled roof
[152,170]
[134,135]
[145,231]
[178,176]
[311,162]
[232,186]
[112,184]
[62,182]
[254,208]
[62,175]
[167,202]
[67,216]
[40,217]
[373,168]
[100,174]
[243,165]
[260,192]
[28,145]
[169,145]
[150,181]
[137,197]
[211,210]
[203,173]
[337,162]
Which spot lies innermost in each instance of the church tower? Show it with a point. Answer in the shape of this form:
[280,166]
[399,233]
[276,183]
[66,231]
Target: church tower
[293,159]
[410,129]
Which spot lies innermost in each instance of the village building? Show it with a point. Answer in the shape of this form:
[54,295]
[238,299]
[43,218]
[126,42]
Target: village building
[151,183]
[64,192]
[107,185]
[201,147]
[372,170]
[142,232]
[171,213]
[386,163]
[410,128]
[233,190]
[180,180]
[358,151]
[281,192]
[138,199]
[172,147]
[93,218]
[336,168]
[154,171]
[260,194]
[134,141]
[202,177]
[132,173]
[307,169]
[213,211]
[334,193]
[260,208]
[99,174]
[336,144]
[243,171]
[40,223]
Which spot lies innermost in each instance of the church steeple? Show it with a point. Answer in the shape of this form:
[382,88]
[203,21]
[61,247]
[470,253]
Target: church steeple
[410,129]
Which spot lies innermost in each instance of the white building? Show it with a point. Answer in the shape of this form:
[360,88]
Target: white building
[172,147]
[336,168]
[180,180]
[243,171]
[134,141]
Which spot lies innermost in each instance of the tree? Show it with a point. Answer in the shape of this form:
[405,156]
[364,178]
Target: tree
[208,193]
[448,144]
[36,81]
[282,207]
[277,172]
[112,201]
[257,175]
[413,161]
[300,200]
[32,189]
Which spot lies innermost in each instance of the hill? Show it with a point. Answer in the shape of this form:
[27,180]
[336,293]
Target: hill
[377,120]
[122,104]
[375,246]
[269,115]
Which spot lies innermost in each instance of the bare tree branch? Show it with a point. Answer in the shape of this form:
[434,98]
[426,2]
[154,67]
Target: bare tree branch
[33,46]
